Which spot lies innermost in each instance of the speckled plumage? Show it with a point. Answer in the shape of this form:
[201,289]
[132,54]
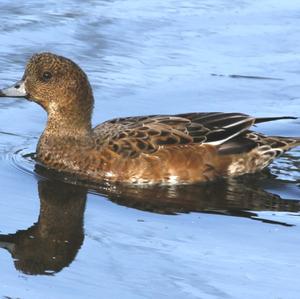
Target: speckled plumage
[179,149]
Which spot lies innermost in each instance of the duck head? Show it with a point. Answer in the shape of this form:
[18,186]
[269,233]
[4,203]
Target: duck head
[60,86]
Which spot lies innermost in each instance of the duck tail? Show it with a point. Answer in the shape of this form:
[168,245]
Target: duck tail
[276,144]
[266,119]
[286,143]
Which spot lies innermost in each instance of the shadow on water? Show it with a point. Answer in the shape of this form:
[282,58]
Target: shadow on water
[52,243]
[234,197]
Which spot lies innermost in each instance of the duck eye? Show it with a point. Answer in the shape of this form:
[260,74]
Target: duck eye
[47,76]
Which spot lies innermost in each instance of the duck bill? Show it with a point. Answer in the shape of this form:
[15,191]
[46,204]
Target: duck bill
[15,91]
[9,246]
[7,242]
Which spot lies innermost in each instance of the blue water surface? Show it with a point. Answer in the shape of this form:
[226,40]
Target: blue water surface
[234,240]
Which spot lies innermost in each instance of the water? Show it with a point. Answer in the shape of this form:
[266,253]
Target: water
[238,239]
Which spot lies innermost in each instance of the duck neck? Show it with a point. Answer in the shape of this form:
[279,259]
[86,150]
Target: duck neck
[69,121]
[67,128]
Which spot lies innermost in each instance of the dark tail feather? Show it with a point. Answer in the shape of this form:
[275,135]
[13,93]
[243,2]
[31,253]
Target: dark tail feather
[266,119]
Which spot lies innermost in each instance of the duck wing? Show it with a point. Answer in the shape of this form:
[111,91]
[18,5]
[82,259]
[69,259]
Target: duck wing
[132,136]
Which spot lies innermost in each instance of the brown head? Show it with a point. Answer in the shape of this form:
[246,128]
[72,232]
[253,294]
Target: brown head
[61,88]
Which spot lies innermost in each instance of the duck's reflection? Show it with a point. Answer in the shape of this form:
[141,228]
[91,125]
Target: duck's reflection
[53,242]
[229,197]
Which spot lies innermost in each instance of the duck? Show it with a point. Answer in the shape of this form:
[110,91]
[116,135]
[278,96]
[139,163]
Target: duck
[187,148]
